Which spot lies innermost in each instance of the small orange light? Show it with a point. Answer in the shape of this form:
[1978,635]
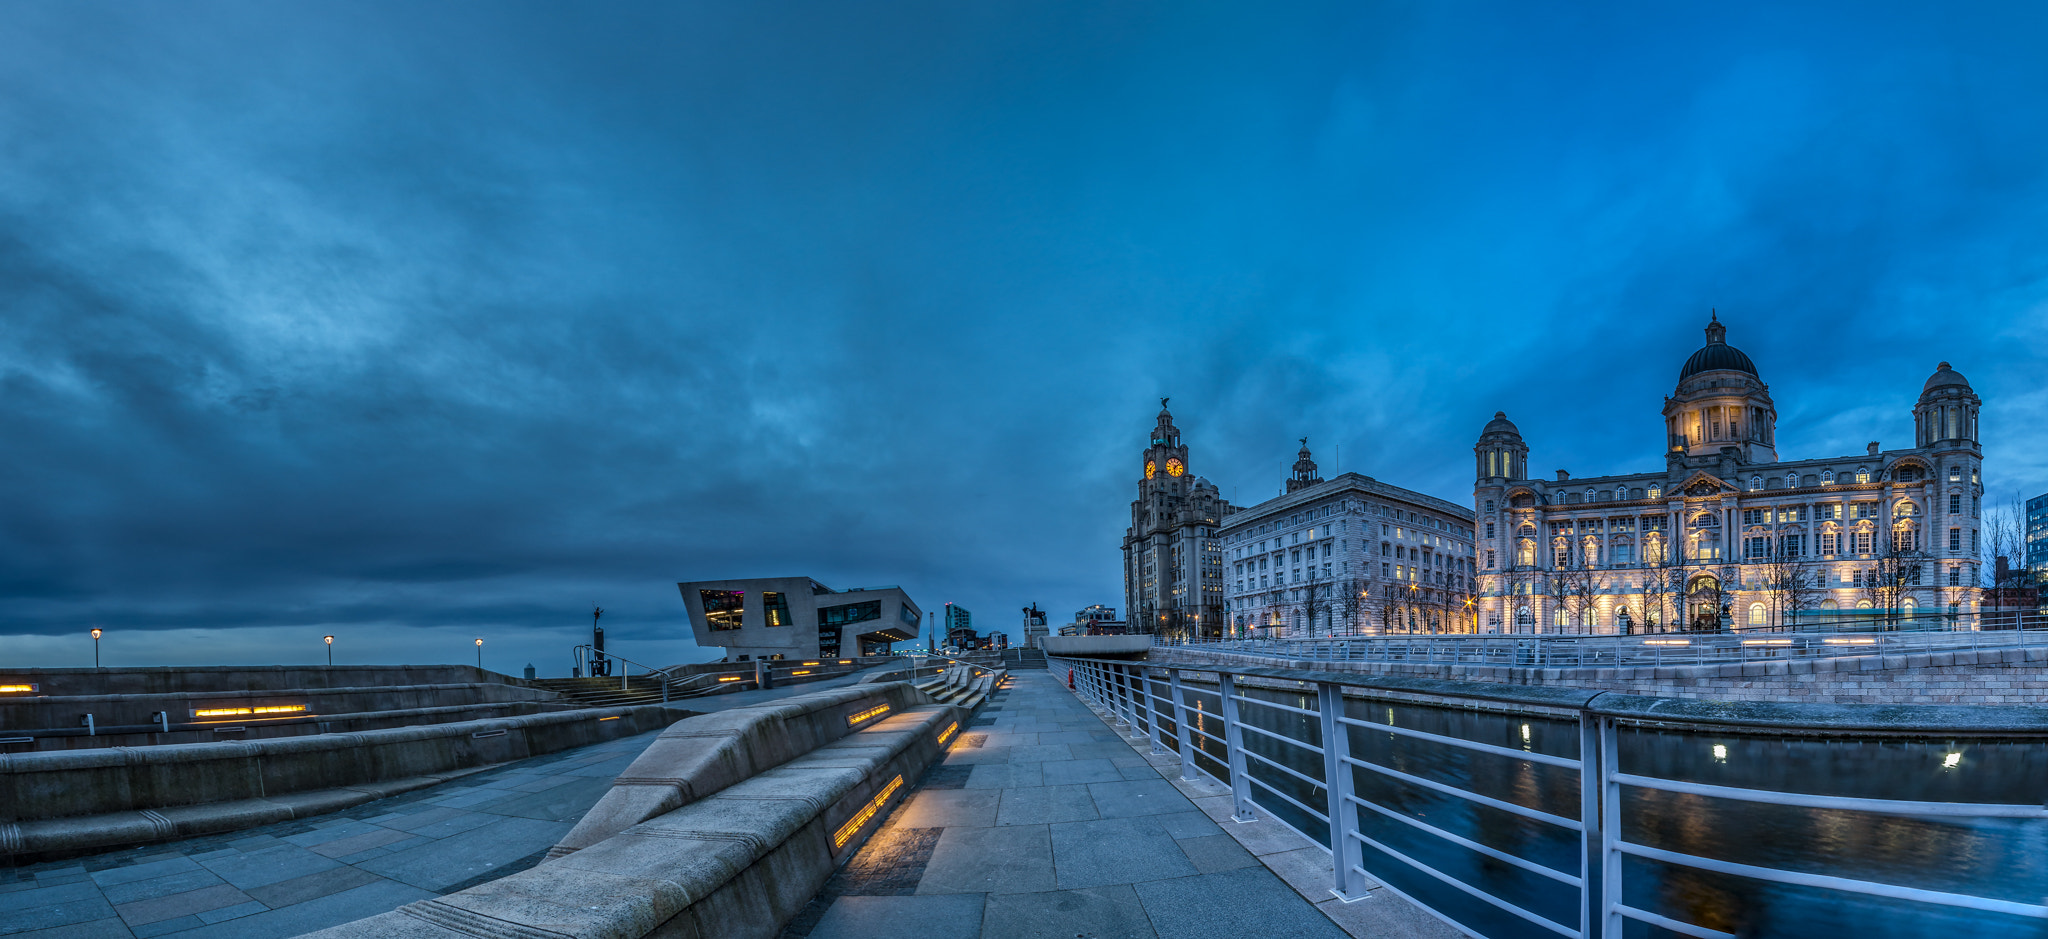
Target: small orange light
[731,678]
[611,718]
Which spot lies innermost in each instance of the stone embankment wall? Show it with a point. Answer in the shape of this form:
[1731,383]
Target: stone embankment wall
[1987,676]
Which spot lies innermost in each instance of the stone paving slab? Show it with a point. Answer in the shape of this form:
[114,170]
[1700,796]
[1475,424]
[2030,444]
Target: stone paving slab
[1060,827]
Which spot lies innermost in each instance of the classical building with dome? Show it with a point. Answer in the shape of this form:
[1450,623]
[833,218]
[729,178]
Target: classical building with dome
[1727,534]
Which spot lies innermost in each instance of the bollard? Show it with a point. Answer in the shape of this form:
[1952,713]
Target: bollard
[1070,679]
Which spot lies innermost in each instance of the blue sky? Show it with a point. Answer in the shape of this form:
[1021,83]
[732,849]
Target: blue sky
[413,323]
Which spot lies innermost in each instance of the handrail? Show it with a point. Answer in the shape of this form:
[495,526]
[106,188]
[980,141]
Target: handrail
[1130,693]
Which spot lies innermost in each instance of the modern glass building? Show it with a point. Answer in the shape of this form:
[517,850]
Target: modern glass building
[2037,544]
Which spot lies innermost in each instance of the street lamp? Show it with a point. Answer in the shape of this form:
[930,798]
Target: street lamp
[95,647]
[479,653]
[330,650]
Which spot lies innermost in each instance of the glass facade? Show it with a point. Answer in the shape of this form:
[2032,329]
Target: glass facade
[723,608]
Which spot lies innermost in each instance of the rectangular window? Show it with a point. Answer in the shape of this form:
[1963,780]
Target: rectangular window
[1489,529]
[774,608]
[1794,545]
[1489,559]
[1955,576]
[1753,548]
[1384,568]
[1955,503]
[1955,540]
[1489,505]
[723,608]
[1832,510]
[849,613]
[1624,553]
[1858,581]
[1862,542]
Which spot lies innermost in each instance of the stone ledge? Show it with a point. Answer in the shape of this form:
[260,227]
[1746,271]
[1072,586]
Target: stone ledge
[741,862]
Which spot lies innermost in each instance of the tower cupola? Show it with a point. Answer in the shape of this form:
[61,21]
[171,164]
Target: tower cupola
[1304,470]
[1947,410]
[1501,453]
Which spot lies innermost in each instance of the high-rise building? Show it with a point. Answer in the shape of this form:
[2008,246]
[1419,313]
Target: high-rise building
[1727,533]
[1173,566]
[2037,545]
[797,617]
[1344,555]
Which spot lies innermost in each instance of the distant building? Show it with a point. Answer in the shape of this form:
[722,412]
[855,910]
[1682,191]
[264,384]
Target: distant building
[1096,620]
[1727,533]
[1173,565]
[956,617]
[1346,555]
[797,618]
[2037,545]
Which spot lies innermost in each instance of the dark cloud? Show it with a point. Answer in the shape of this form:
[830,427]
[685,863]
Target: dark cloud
[417,323]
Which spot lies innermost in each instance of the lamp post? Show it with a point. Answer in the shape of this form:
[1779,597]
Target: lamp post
[95,647]
[479,653]
[330,650]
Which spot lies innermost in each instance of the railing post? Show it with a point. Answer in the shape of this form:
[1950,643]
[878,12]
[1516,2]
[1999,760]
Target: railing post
[1180,727]
[1151,712]
[1233,743]
[1131,674]
[1338,782]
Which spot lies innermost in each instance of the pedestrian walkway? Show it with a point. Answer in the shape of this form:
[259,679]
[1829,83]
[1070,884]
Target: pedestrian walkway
[299,876]
[1045,821]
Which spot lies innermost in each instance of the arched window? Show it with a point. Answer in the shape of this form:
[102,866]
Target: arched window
[1791,480]
[1756,483]
[1827,477]
[1656,492]
[1862,474]
[1589,494]
[1827,604]
[1863,604]
[1756,614]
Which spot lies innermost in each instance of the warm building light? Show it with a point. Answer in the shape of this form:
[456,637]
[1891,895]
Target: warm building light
[846,661]
[810,663]
[1667,642]
[947,734]
[1767,642]
[869,714]
[801,671]
[732,678]
[852,826]
[611,718]
[243,712]
[1850,642]
[17,689]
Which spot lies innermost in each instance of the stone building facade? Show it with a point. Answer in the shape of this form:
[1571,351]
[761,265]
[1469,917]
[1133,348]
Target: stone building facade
[1727,534]
[1173,564]
[1347,555]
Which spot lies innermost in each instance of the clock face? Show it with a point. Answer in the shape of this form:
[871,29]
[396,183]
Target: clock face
[1150,468]
[1174,467]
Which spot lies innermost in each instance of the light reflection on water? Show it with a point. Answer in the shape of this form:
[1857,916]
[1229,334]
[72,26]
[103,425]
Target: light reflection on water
[1997,858]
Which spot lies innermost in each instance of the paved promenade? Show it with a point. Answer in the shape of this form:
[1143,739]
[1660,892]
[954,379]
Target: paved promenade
[299,876]
[1044,821]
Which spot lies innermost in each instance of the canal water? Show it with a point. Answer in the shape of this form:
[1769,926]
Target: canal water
[1995,858]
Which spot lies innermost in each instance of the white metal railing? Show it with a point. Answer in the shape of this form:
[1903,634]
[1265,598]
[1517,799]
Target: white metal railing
[1148,698]
[1655,649]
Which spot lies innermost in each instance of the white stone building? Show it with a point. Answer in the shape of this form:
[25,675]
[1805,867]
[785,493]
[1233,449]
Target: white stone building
[1727,534]
[1347,555]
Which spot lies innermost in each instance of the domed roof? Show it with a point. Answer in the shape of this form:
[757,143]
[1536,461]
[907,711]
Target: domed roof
[1944,377]
[1501,425]
[1717,354]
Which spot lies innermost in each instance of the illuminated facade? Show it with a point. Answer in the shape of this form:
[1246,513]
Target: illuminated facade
[1350,554]
[1173,565]
[1727,534]
[797,618]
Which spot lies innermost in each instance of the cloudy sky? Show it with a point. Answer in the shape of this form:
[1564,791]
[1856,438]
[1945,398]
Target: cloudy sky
[413,323]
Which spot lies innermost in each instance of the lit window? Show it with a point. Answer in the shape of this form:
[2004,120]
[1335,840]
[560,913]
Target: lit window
[1827,477]
[1756,483]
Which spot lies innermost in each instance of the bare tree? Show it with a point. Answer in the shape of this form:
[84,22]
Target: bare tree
[1347,602]
[1894,568]
[1577,595]
[1315,603]
[2004,541]
[1789,585]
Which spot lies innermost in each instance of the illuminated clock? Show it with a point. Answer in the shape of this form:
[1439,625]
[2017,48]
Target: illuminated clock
[1150,468]
[1174,467]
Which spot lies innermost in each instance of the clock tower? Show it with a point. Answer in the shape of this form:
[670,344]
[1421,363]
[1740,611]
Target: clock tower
[1173,566]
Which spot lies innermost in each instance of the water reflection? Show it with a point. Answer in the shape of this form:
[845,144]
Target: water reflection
[2004,859]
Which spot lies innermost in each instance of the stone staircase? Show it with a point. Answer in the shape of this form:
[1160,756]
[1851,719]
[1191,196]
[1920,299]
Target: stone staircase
[604,692]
